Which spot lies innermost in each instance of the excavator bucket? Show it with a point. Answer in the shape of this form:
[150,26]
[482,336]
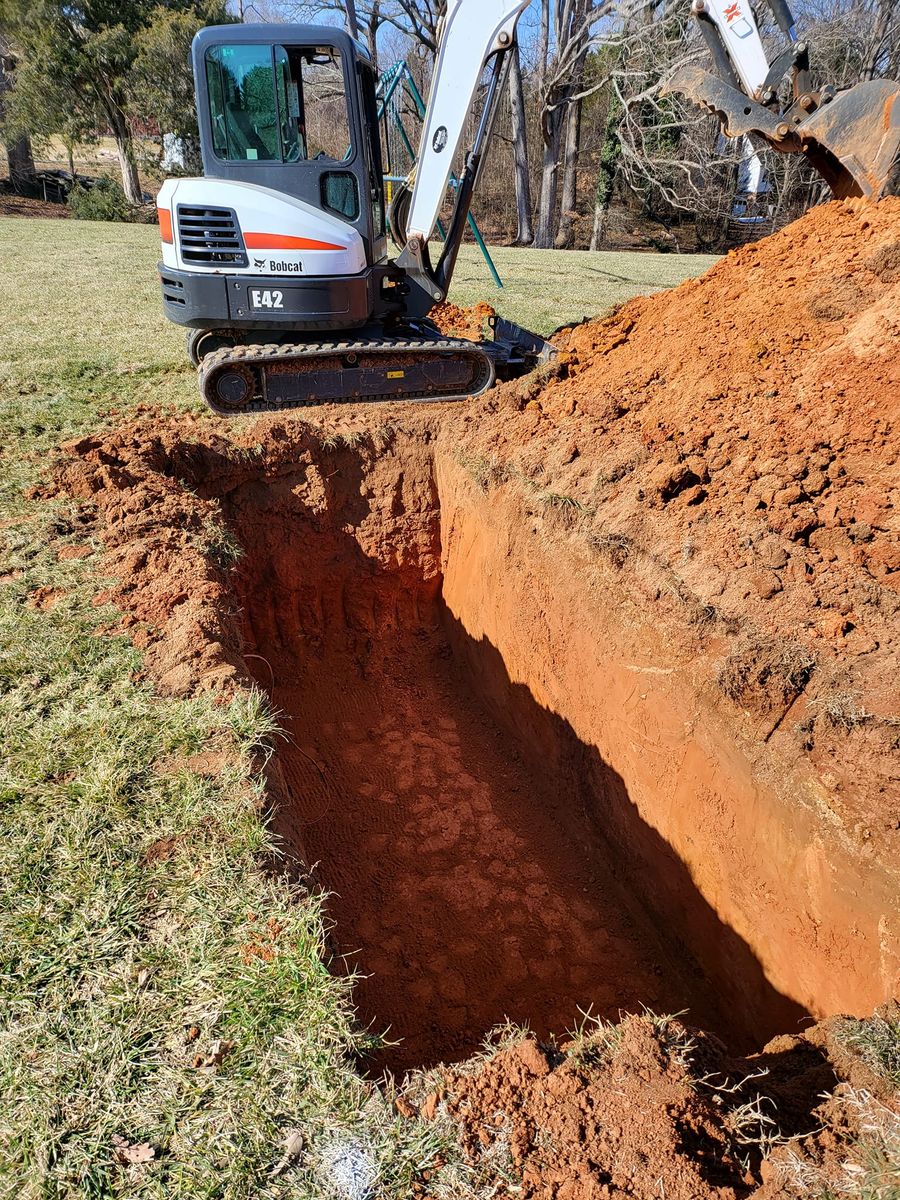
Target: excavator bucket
[859,130]
[852,138]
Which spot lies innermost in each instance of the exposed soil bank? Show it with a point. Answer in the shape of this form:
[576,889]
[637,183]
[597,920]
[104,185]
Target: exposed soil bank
[723,840]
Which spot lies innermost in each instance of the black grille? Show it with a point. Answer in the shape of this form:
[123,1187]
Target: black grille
[210,235]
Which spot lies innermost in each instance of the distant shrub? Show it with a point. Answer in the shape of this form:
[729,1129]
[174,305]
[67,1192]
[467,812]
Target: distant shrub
[105,201]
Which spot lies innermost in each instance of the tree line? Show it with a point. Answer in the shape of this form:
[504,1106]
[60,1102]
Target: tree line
[586,147]
[74,71]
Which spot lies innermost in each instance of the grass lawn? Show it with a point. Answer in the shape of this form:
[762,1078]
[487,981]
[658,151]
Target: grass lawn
[88,292]
[143,1051]
[543,289]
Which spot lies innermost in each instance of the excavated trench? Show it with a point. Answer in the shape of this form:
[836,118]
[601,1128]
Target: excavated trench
[483,857]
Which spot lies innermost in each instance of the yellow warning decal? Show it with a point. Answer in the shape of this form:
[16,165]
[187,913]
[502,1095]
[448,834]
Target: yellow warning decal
[396,374]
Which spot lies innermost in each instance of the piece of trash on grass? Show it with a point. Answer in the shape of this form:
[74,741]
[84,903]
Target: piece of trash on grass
[217,1052]
[350,1169]
[293,1147]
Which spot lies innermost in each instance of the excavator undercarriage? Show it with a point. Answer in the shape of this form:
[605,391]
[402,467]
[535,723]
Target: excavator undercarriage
[261,376]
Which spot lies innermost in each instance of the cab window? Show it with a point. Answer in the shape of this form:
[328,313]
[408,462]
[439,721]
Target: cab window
[242,103]
[278,103]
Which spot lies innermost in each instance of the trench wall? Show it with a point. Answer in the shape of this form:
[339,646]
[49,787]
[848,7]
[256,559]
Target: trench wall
[732,849]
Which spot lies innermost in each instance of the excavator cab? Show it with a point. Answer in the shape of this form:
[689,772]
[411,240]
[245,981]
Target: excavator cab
[294,113]
[286,229]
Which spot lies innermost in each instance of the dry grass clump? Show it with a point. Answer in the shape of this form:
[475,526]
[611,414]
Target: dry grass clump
[764,673]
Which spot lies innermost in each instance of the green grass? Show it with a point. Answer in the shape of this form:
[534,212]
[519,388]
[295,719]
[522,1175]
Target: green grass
[123,970]
[543,289]
[876,1040]
[81,304]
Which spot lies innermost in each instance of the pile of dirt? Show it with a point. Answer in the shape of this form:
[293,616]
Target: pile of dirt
[470,323]
[740,432]
[171,572]
[650,1108]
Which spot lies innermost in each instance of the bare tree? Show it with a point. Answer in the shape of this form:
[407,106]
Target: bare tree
[352,21]
[571,151]
[417,19]
[851,40]
[663,150]
[18,144]
[607,171]
[525,228]
[569,30]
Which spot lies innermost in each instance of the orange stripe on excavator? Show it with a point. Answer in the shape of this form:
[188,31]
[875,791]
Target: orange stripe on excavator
[280,241]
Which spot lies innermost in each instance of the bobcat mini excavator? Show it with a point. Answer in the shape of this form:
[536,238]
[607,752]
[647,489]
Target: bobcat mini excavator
[277,259]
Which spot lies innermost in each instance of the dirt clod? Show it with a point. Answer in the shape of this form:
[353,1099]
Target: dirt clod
[454,321]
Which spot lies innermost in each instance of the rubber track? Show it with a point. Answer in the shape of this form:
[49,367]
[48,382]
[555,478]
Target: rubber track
[260,357]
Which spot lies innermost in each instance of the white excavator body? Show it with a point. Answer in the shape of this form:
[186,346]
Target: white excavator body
[271,233]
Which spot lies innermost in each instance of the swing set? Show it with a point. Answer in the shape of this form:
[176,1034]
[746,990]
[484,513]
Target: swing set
[394,85]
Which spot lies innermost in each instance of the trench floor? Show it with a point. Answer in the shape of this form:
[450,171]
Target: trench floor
[464,889]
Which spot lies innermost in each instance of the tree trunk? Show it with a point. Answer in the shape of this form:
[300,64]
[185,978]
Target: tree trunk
[597,231]
[552,122]
[70,154]
[543,46]
[525,229]
[18,145]
[131,180]
[372,35]
[606,174]
[21,165]
[567,213]
[352,19]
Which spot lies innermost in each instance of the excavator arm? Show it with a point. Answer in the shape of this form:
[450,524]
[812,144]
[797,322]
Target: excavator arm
[475,31]
[476,34]
[852,137]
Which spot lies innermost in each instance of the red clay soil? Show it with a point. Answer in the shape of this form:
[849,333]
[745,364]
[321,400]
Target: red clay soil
[454,321]
[458,891]
[583,1129]
[466,886]
[650,1109]
[741,430]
